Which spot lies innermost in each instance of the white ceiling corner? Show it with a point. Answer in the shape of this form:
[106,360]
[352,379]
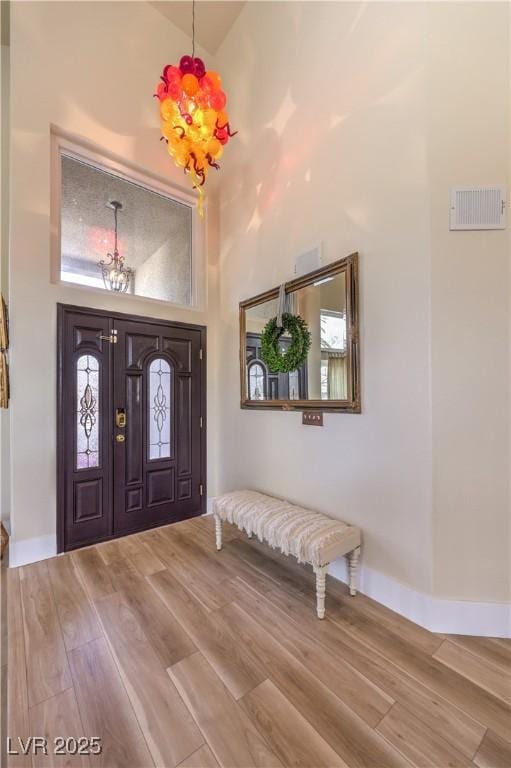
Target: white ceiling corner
[213,18]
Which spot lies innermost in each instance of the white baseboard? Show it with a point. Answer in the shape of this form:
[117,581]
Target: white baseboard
[452,617]
[455,617]
[42,547]
[31,550]
[459,617]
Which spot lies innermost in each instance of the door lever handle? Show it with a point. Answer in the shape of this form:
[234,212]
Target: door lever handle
[120,417]
[112,338]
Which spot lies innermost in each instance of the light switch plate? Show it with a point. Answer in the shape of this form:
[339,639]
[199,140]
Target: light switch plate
[312,418]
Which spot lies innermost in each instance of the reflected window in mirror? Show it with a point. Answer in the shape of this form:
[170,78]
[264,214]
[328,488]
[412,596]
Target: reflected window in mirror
[257,382]
[294,385]
[333,330]
[333,355]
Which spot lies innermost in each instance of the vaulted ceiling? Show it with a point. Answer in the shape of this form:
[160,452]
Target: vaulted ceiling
[213,18]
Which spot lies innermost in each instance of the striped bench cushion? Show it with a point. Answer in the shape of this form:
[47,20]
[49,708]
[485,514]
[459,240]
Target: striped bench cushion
[310,536]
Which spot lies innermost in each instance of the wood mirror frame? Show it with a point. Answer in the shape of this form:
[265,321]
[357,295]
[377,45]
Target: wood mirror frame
[348,266]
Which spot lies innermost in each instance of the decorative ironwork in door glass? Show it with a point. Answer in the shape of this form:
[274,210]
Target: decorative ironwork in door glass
[159,409]
[87,412]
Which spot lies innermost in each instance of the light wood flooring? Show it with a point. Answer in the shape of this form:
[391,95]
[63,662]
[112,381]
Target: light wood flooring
[176,655]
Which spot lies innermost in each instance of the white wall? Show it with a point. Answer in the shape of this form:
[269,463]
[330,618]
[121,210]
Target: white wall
[90,69]
[353,125]
[468,69]
[332,148]
[165,273]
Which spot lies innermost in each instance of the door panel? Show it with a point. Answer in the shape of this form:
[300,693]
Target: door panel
[85,408]
[157,380]
[116,477]
[184,398]
[88,500]
[134,472]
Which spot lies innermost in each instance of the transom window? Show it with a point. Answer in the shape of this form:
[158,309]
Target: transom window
[154,234]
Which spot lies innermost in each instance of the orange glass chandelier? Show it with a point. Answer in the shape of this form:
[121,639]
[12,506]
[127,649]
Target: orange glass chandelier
[194,121]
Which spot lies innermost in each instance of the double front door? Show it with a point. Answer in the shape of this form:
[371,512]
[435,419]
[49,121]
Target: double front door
[131,427]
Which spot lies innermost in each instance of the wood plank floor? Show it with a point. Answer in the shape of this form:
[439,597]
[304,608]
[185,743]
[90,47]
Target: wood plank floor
[175,655]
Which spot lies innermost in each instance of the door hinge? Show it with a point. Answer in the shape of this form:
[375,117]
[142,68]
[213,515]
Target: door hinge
[112,338]
[200,354]
[201,490]
[200,422]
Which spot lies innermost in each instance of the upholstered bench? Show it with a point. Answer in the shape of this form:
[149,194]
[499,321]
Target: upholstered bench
[310,536]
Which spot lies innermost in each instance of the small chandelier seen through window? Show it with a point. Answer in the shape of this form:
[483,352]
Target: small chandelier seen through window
[116,275]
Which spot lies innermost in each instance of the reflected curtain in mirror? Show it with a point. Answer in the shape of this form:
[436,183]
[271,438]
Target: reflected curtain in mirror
[336,377]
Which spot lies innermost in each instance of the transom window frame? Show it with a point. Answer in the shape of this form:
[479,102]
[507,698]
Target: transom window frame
[103,160]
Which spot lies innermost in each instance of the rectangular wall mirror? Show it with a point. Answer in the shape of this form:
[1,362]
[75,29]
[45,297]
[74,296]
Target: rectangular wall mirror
[329,380]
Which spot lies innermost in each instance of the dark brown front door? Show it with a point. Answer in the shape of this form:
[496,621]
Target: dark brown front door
[131,424]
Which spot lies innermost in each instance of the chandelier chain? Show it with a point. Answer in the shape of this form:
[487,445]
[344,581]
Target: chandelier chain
[115,229]
[193,29]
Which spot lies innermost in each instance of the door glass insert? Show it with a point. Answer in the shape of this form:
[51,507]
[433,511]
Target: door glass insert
[159,409]
[87,412]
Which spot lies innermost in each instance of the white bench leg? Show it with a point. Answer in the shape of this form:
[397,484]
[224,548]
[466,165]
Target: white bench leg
[218,532]
[321,572]
[353,558]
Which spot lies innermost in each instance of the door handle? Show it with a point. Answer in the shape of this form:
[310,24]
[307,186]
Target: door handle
[112,338]
[120,438]
[120,417]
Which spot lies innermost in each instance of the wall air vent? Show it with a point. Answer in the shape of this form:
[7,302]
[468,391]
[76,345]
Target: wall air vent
[478,208]
[308,261]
